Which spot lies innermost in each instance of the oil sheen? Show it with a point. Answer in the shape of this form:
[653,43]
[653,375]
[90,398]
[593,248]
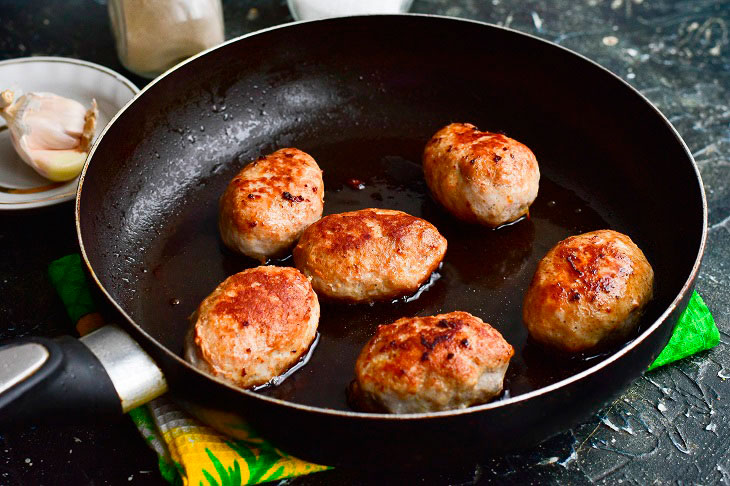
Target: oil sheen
[485,271]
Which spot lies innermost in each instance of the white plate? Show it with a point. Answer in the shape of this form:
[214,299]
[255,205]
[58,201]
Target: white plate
[20,186]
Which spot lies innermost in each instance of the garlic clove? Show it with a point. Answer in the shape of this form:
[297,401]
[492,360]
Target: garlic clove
[58,165]
[51,133]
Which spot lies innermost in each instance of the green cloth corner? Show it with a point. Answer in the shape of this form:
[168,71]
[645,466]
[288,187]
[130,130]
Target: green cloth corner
[68,278]
[695,331]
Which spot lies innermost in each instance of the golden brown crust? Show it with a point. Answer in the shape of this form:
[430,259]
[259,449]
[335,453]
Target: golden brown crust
[256,324]
[480,177]
[589,290]
[369,254]
[270,202]
[431,363]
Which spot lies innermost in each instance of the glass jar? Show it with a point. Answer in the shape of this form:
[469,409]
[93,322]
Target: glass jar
[154,35]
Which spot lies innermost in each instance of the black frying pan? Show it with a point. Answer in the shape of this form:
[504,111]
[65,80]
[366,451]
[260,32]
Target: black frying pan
[363,95]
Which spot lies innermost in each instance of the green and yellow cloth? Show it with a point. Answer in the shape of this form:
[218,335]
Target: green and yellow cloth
[192,454]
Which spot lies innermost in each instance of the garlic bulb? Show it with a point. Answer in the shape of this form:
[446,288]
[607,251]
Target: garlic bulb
[52,134]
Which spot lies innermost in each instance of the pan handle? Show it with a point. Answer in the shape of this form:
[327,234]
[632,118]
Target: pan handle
[67,380]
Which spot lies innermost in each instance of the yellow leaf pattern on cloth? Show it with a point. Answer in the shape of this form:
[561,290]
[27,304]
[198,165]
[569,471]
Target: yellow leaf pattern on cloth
[205,457]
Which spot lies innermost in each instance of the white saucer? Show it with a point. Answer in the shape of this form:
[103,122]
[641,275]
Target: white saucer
[20,186]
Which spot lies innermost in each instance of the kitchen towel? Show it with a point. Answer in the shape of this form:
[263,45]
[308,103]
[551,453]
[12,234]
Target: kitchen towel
[193,454]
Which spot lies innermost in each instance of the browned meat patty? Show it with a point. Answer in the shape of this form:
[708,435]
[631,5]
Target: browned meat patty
[426,364]
[369,254]
[270,202]
[588,291]
[254,326]
[480,177]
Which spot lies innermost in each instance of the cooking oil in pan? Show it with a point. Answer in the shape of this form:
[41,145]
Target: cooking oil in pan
[485,271]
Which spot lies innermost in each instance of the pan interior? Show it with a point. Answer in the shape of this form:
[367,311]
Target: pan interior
[362,96]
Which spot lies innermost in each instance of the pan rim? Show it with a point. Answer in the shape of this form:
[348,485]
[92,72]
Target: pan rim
[686,287]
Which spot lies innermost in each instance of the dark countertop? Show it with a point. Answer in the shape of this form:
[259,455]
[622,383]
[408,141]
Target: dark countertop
[670,425]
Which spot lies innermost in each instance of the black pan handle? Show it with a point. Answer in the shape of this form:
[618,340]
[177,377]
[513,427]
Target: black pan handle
[67,380]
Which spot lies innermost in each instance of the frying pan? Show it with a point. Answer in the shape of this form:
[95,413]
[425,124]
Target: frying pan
[363,95]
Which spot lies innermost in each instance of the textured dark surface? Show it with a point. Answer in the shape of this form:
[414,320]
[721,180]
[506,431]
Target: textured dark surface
[670,425]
